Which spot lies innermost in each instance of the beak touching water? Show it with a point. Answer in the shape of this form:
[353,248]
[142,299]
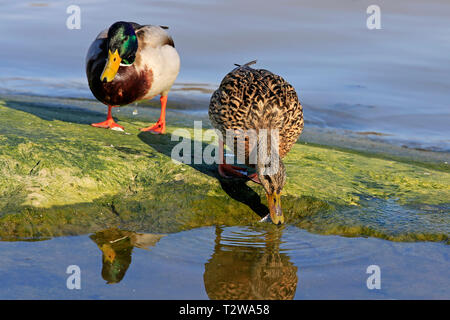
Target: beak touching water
[108,253]
[276,214]
[111,67]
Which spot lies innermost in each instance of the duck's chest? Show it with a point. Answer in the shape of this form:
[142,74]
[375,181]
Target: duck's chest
[128,86]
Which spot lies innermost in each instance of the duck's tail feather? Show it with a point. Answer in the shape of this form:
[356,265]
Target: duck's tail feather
[247,64]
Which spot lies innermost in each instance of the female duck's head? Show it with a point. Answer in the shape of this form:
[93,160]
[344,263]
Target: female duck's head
[122,46]
[273,180]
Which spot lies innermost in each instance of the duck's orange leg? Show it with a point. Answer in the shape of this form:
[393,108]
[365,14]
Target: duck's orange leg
[255,178]
[109,123]
[227,170]
[160,126]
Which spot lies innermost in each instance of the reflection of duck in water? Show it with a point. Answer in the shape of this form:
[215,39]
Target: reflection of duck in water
[249,270]
[117,246]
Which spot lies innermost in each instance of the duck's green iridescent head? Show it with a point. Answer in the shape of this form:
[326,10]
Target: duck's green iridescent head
[122,48]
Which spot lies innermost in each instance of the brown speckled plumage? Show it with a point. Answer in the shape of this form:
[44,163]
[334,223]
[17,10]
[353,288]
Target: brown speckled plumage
[248,272]
[257,99]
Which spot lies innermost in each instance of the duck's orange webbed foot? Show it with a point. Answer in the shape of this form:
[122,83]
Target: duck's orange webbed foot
[109,123]
[158,128]
[229,171]
[254,177]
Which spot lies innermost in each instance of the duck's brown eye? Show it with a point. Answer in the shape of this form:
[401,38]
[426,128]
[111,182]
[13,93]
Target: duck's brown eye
[114,59]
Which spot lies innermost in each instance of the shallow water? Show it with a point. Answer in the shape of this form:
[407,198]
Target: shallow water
[230,263]
[393,80]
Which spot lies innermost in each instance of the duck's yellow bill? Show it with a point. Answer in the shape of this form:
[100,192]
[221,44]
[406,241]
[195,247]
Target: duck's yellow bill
[111,67]
[276,214]
[108,253]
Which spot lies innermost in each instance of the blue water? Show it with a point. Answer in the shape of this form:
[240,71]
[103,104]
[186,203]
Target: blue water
[394,80]
[231,262]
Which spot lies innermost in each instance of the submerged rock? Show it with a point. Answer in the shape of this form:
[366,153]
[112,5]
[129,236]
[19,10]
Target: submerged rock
[60,176]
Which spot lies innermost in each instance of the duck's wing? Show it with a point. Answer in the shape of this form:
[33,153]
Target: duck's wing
[228,108]
[146,240]
[135,25]
[97,47]
[96,56]
[257,99]
[242,98]
[154,36]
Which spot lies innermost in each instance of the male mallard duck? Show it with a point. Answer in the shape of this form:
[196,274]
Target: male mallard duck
[129,62]
[255,99]
[117,246]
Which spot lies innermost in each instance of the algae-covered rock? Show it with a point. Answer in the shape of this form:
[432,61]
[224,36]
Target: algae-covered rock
[60,176]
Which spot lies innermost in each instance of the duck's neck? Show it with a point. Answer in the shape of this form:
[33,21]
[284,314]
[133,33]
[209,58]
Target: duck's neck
[268,160]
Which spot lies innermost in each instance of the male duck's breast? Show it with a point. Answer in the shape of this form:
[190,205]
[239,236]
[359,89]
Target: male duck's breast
[128,86]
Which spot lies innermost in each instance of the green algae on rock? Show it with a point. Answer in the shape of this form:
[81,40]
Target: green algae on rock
[62,177]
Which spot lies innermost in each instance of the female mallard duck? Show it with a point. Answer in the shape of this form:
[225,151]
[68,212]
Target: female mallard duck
[129,62]
[241,270]
[254,99]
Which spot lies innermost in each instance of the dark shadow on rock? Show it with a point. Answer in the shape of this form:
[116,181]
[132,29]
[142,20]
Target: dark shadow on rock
[239,191]
[59,112]
[235,188]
